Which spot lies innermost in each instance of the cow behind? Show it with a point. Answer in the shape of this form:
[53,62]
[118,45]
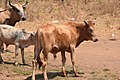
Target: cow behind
[18,37]
[60,38]
[11,16]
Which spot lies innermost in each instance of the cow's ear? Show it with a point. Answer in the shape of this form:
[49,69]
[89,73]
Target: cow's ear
[24,5]
[10,4]
[79,28]
[33,34]
[94,21]
[24,30]
[91,22]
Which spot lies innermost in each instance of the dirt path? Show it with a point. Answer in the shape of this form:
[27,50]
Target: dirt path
[92,59]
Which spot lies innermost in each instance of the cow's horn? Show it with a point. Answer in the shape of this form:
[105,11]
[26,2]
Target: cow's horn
[86,23]
[25,3]
[10,4]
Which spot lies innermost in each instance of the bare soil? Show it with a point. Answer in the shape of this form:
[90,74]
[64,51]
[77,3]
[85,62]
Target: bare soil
[94,61]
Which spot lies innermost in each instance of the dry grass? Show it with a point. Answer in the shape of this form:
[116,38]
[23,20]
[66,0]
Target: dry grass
[106,13]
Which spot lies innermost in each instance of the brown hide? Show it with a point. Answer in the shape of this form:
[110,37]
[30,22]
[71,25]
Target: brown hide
[61,38]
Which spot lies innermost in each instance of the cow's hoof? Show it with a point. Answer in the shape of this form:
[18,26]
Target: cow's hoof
[2,62]
[3,51]
[76,75]
[16,64]
[64,74]
[8,51]
[23,62]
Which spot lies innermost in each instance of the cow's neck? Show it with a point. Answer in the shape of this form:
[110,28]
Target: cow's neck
[12,22]
[80,38]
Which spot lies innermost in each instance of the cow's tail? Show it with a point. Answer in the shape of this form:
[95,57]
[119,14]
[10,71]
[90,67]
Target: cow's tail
[39,47]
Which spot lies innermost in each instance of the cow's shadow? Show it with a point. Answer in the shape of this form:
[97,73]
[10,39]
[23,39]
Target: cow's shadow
[51,75]
[13,63]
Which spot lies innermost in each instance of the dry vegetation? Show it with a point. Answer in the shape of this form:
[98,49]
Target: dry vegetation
[105,12]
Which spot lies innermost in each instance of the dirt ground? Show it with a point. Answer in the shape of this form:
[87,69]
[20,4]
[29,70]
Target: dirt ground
[94,61]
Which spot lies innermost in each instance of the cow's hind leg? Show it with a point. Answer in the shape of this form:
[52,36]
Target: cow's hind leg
[63,63]
[2,47]
[44,65]
[1,60]
[1,50]
[35,60]
[34,64]
[73,61]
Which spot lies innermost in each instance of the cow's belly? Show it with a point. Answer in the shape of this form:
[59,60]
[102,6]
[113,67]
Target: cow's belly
[24,46]
[59,48]
[8,41]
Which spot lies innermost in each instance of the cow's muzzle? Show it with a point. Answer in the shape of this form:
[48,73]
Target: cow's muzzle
[23,18]
[94,39]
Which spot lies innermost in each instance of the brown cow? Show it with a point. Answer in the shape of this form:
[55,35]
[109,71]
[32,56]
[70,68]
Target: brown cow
[12,15]
[60,38]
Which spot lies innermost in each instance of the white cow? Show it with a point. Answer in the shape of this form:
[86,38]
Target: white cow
[18,37]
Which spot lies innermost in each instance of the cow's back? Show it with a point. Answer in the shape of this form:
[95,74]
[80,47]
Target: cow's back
[60,36]
[9,34]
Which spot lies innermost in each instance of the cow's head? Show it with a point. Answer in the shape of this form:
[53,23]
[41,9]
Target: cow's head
[89,31]
[32,36]
[29,36]
[17,11]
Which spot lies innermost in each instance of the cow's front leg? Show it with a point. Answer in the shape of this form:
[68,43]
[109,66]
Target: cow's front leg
[72,54]
[63,63]
[2,47]
[16,53]
[1,60]
[22,54]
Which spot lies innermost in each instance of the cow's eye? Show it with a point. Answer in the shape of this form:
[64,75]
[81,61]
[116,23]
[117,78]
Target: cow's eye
[24,7]
[18,10]
[90,30]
